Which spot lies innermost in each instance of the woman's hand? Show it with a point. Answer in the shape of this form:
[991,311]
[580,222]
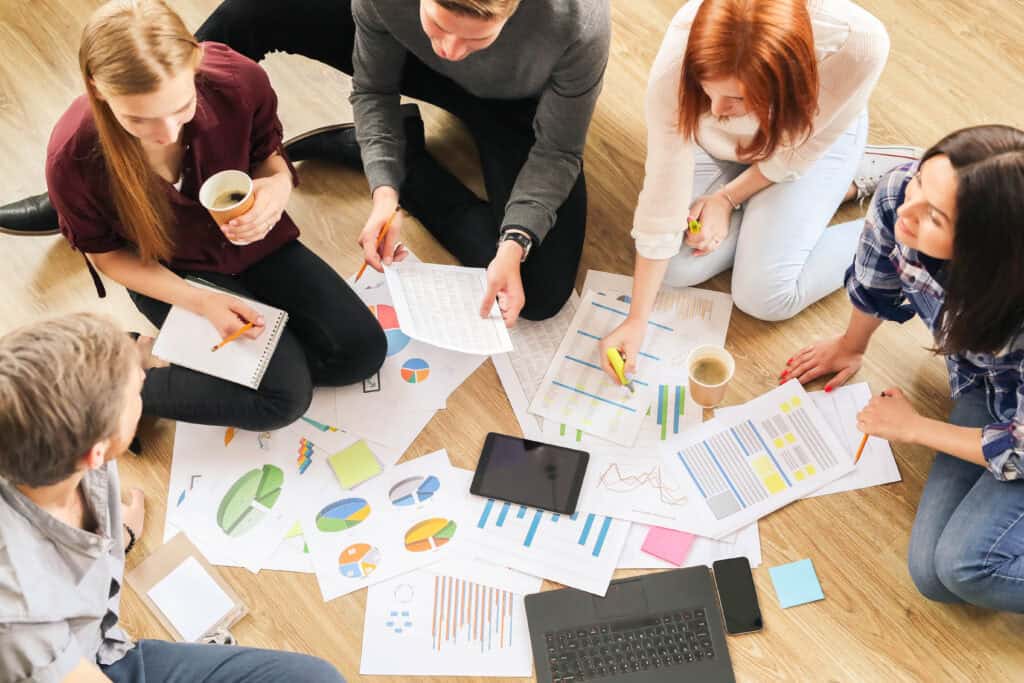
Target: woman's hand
[385,202]
[628,338]
[227,314]
[824,357]
[714,212]
[505,283]
[891,417]
[270,196]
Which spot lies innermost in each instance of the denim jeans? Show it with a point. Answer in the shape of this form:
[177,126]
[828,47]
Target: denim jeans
[331,339]
[967,544]
[464,224]
[783,254]
[158,661]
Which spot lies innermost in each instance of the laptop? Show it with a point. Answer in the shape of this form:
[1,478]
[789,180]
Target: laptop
[657,628]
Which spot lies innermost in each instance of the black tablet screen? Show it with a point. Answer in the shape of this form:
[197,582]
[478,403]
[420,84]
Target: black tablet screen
[530,473]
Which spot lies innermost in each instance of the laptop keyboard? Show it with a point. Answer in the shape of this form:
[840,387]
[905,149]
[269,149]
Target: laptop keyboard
[614,648]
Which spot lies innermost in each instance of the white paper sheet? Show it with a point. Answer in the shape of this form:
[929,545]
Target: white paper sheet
[638,488]
[758,458]
[744,543]
[522,371]
[877,465]
[440,305]
[464,565]
[191,600]
[578,550]
[421,624]
[410,516]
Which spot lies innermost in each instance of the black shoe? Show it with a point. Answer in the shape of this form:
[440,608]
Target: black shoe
[29,216]
[337,142]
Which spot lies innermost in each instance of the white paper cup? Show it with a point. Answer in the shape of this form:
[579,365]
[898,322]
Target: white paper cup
[704,394]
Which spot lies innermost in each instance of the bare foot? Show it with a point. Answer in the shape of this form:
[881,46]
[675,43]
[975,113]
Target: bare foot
[145,346]
[133,513]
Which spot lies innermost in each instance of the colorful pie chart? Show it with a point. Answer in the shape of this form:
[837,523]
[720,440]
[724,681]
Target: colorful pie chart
[429,535]
[414,490]
[388,319]
[358,560]
[415,370]
[342,514]
[249,499]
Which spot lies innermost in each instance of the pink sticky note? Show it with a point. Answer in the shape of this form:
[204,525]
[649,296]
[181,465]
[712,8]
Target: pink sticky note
[668,544]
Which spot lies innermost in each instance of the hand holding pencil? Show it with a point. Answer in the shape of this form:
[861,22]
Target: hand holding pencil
[381,236]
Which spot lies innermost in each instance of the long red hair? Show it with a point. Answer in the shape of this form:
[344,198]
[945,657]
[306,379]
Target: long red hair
[768,46]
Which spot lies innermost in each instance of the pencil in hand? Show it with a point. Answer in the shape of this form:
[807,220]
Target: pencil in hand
[860,449]
[380,238]
[233,336]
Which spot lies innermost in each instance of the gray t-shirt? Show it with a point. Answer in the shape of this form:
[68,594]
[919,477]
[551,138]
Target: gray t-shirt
[552,50]
[60,586]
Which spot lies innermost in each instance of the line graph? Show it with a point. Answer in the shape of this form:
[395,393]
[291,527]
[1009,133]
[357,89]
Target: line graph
[615,480]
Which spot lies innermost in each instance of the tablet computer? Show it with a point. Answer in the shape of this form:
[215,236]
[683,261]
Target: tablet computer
[530,473]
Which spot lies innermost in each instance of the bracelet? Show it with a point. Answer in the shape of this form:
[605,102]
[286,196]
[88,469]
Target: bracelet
[735,206]
[131,538]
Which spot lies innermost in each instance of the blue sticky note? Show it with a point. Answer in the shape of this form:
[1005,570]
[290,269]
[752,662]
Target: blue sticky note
[796,583]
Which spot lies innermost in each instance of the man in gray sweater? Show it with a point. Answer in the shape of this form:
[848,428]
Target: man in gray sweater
[523,78]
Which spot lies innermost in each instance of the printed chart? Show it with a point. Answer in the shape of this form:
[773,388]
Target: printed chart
[641,489]
[388,319]
[444,626]
[578,550]
[761,456]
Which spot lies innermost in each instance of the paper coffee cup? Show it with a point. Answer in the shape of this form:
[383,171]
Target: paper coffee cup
[710,368]
[227,195]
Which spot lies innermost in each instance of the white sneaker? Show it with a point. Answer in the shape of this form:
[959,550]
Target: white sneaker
[876,162]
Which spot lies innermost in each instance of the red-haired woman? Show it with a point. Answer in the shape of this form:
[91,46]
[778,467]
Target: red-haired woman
[756,124]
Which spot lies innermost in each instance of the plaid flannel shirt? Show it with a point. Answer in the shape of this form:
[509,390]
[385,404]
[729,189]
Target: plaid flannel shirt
[891,281]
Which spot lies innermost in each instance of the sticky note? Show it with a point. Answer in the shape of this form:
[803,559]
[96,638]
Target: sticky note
[354,465]
[668,544]
[796,583]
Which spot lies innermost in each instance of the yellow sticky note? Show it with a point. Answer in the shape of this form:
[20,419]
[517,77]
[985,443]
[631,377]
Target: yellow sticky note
[354,465]
[790,438]
[774,484]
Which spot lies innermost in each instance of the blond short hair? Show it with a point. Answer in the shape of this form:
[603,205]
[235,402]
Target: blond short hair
[481,9]
[62,384]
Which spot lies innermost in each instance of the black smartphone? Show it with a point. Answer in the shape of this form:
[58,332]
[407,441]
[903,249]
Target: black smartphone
[737,595]
[532,473]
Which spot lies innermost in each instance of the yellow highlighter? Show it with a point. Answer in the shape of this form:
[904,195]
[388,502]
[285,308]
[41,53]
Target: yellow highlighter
[694,225]
[615,358]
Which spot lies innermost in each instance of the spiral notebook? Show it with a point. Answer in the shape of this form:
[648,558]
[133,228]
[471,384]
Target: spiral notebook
[186,339]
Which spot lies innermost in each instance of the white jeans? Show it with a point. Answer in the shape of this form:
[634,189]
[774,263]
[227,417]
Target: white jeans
[784,256]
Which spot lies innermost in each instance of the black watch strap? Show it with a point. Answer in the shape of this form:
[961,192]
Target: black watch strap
[520,237]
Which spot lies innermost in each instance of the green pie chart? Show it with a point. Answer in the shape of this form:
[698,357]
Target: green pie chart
[247,501]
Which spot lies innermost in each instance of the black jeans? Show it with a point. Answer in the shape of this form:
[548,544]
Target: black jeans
[502,129]
[331,339]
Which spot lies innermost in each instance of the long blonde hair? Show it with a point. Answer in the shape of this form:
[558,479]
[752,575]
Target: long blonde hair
[130,47]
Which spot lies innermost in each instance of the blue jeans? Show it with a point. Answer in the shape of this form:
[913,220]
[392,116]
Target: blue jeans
[158,661]
[783,254]
[967,544]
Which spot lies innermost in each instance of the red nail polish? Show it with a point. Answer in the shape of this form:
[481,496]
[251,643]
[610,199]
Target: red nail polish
[828,388]
[784,373]
[789,361]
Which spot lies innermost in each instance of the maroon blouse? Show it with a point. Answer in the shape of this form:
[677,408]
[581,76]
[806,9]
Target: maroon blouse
[235,127]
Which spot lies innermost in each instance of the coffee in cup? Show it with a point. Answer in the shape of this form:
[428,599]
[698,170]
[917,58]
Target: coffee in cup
[226,195]
[710,368]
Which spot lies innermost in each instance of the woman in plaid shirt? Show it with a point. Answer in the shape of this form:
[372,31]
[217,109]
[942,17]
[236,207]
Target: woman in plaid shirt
[944,239]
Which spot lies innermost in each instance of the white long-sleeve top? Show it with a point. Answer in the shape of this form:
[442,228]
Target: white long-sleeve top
[851,46]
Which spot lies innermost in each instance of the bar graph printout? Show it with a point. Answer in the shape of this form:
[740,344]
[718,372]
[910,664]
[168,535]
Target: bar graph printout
[575,390]
[760,457]
[579,550]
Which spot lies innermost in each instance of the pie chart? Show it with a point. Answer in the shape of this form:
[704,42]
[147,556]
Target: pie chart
[249,499]
[415,371]
[429,535]
[414,490]
[342,514]
[388,319]
[358,560]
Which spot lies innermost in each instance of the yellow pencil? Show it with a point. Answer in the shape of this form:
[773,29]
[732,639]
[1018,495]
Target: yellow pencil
[232,337]
[860,450]
[380,238]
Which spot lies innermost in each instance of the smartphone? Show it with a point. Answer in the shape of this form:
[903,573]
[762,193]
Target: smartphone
[530,473]
[737,595]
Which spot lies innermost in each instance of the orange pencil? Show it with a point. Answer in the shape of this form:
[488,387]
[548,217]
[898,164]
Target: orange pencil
[380,238]
[232,337]
[860,451]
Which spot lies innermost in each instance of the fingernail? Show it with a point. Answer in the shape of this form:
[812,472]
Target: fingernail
[784,373]
[789,361]
[828,388]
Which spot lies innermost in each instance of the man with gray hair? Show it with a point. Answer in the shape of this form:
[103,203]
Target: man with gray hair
[69,403]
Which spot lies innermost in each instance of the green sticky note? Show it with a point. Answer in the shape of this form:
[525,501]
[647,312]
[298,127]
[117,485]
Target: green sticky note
[354,465]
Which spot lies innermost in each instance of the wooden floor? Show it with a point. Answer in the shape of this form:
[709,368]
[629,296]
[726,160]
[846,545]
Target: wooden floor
[953,63]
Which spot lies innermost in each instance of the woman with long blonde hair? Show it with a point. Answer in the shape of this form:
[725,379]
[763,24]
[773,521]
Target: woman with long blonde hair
[161,114]
[756,125]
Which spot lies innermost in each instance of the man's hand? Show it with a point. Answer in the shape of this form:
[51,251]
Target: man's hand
[505,283]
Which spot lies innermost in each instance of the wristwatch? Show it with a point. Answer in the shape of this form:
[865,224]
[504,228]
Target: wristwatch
[520,237]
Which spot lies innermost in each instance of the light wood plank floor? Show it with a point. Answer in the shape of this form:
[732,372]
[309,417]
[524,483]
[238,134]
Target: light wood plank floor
[953,63]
